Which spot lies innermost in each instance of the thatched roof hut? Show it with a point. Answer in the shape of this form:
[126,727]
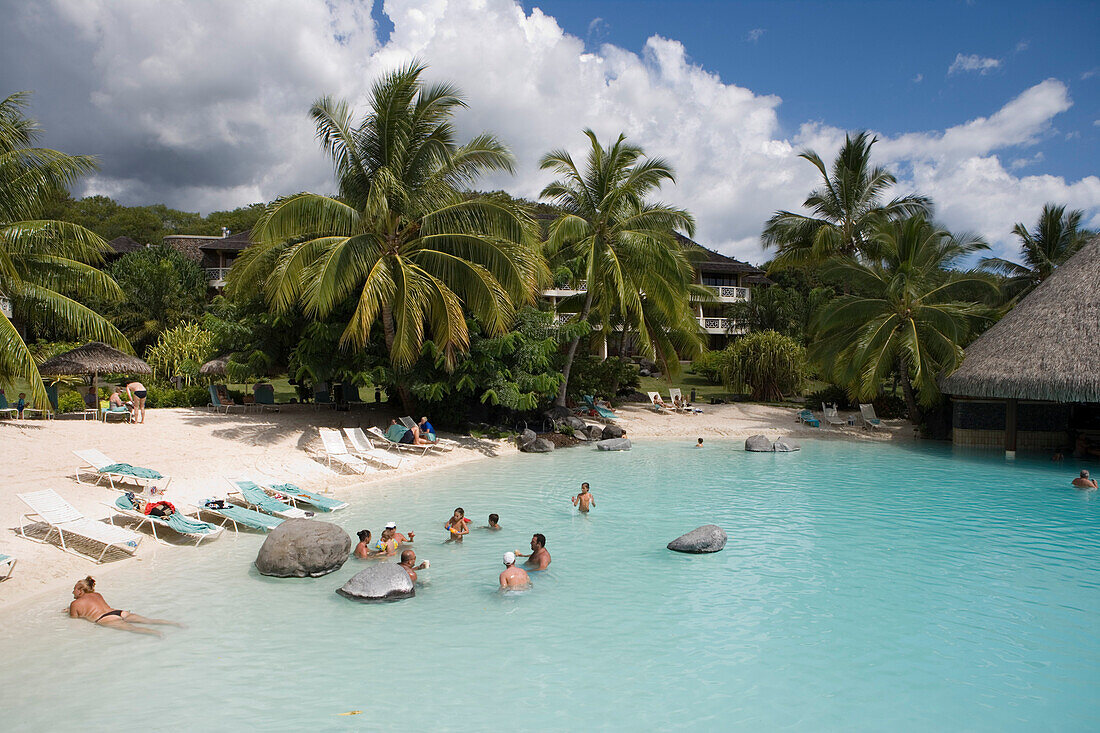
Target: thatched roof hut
[215,366]
[94,358]
[1046,347]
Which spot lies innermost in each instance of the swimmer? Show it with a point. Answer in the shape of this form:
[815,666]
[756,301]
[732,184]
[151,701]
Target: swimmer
[494,522]
[397,536]
[362,550]
[584,500]
[88,604]
[457,525]
[386,544]
[1083,481]
[699,444]
[408,559]
[539,558]
[513,577]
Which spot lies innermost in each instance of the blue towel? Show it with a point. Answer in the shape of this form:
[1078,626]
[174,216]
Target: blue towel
[125,469]
[249,518]
[256,496]
[323,503]
[187,525]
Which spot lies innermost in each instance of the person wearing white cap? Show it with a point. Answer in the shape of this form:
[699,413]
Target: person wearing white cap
[513,577]
[397,536]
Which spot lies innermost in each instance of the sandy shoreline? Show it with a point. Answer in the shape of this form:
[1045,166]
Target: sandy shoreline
[197,449]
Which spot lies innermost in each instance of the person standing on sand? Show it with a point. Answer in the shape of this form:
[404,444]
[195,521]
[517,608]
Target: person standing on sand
[89,605]
[584,500]
[137,393]
[408,559]
[513,577]
[539,559]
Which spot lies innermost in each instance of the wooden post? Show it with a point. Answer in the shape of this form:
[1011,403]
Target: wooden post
[1010,428]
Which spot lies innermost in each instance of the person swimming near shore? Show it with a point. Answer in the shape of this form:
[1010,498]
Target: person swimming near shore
[539,558]
[89,605]
[457,525]
[699,444]
[511,576]
[386,544]
[494,522]
[1083,481]
[584,500]
[397,536]
[408,559]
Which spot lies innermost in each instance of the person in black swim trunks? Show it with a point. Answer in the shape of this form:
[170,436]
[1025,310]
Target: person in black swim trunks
[89,605]
[137,393]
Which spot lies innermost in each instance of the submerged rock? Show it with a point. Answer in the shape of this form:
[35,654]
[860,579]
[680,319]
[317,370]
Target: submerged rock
[382,582]
[708,538]
[300,548]
[614,444]
[786,445]
[758,444]
[612,431]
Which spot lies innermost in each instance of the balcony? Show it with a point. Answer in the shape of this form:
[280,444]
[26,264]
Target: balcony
[215,276]
[566,290]
[720,325]
[5,307]
[729,293]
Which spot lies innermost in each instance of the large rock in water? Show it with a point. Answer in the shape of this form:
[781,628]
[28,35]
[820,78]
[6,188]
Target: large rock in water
[708,538]
[539,445]
[526,438]
[574,422]
[382,582]
[612,431]
[758,444]
[786,445]
[614,444]
[300,548]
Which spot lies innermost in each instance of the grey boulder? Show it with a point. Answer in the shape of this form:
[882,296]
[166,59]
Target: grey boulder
[593,432]
[612,431]
[300,548]
[538,445]
[758,444]
[708,538]
[382,582]
[558,413]
[614,444]
[786,445]
[526,438]
[574,422]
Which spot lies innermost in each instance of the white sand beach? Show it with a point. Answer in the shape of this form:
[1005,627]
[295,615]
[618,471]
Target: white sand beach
[198,449]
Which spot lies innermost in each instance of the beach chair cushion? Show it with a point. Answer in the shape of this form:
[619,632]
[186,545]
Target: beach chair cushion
[125,469]
[247,517]
[324,503]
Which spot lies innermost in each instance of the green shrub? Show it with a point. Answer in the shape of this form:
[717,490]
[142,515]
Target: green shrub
[829,395]
[566,430]
[889,406]
[181,351]
[194,396]
[709,365]
[70,402]
[768,363]
[598,377]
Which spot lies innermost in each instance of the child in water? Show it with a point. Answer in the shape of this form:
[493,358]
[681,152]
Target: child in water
[456,525]
[584,500]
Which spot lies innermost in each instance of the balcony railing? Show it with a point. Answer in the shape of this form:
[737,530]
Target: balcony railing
[721,325]
[216,275]
[580,286]
[5,306]
[730,292]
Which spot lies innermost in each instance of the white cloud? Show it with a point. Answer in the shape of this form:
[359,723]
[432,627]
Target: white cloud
[1089,74]
[918,78]
[1022,46]
[973,62]
[754,35]
[1019,163]
[203,125]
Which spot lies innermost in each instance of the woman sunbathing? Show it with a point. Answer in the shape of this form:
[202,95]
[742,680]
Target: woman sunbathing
[87,604]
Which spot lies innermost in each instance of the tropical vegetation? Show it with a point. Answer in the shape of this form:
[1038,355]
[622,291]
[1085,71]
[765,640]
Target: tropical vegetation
[1056,237]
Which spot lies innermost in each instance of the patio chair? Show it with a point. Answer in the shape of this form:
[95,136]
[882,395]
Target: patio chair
[440,444]
[673,393]
[104,468]
[7,410]
[832,417]
[265,397]
[870,419]
[72,526]
[363,448]
[296,496]
[322,396]
[254,497]
[239,517]
[381,438]
[216,404]
[336,450]
[590,403]
[657,403]
[9,561]
[177,522]
[807,417]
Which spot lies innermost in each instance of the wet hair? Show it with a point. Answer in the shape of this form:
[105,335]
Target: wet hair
[363,535]
[541,539]
[700,441]
[460,510]
[86,584]
[408,556]
[584,485]
[494,518]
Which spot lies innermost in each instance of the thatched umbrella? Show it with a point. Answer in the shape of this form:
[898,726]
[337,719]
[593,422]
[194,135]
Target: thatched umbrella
[93,359]
[218,365]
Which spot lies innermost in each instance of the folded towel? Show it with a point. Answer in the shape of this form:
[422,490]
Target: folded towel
[125,469]
[187,525]
[323,503]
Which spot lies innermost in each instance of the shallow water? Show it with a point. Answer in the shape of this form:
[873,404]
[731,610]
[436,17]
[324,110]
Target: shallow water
[864,587]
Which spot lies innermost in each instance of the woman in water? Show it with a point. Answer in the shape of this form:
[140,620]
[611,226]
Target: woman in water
[87,604]
[362,550]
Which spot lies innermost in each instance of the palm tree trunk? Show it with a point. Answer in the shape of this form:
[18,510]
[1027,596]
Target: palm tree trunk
[915,415]
[408,404]
[568,366]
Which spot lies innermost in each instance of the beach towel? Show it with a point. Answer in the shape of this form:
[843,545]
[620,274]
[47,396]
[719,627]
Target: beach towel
[187,525]
[249,518]
[396,432]
[323,503]
[253,494]
[125,469]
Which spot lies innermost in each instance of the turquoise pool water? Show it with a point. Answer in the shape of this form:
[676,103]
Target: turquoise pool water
[864,587]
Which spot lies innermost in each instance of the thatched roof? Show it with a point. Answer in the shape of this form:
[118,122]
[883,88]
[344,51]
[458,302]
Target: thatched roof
[1046,347]
[215,366]
[124,245]
[93,358]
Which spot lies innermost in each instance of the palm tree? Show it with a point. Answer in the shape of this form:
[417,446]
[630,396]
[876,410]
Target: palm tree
[912,316]
[844,211]
[637,273]
[1054,240]
[45,265]
[403,242]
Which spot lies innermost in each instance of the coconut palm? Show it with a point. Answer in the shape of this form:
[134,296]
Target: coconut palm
[637,273]
[46,266]
[403,242]
[844,211]
[912,315]
[1054,240]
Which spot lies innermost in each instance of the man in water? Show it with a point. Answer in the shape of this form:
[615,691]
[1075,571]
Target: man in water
[584,500]
[87,604]
[1084,482]
[494,522]
[408,559]
[397,536]
[699,444]
[386,544]
[513,577]
[539,558]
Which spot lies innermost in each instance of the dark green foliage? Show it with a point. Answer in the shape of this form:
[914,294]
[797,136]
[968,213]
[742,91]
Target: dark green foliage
[163,289]
[70,402]
[709,365]
[831,395]
[148,224]
[784,310]
[194,396]
[257,341]
[768,363]
[602,377]
[890,406]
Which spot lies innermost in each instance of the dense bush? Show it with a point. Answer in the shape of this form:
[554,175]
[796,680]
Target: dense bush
[180,352]
[709,365]
[598,377]
[70,402]
[768,363]
[831,395]
[890,406]
[194,396]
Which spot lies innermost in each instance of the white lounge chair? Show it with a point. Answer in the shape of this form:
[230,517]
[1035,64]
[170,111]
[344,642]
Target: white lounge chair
[252,496]
[10,561]
[72,526]
[657,403]
[95,462]
[335,450]
[831,416]
[673,393]
[870,419]
[363,448]
[440,444]
[381,438]
[192,528]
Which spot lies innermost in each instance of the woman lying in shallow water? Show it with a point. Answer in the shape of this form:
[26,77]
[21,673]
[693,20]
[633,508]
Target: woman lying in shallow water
[88,604]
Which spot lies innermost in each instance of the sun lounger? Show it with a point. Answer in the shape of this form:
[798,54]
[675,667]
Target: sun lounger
[382,439]
[296,496]
[9,561]
[657,403]
[434,441]
[72,526]
[335,450]
[832,417]
[5,409]
[103,467]
[239,517]
[254,497]
[363,448]
[673,394]
[807,417]
[216,404]
[178,523]
[599,410]
[265,397]
[870,419]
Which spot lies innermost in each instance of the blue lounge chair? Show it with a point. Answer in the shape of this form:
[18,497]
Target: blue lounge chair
[603,412]
[5,409]
[216,403]
[265,397]
[177,522]
[805,416]
[239,517]
[297,496]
